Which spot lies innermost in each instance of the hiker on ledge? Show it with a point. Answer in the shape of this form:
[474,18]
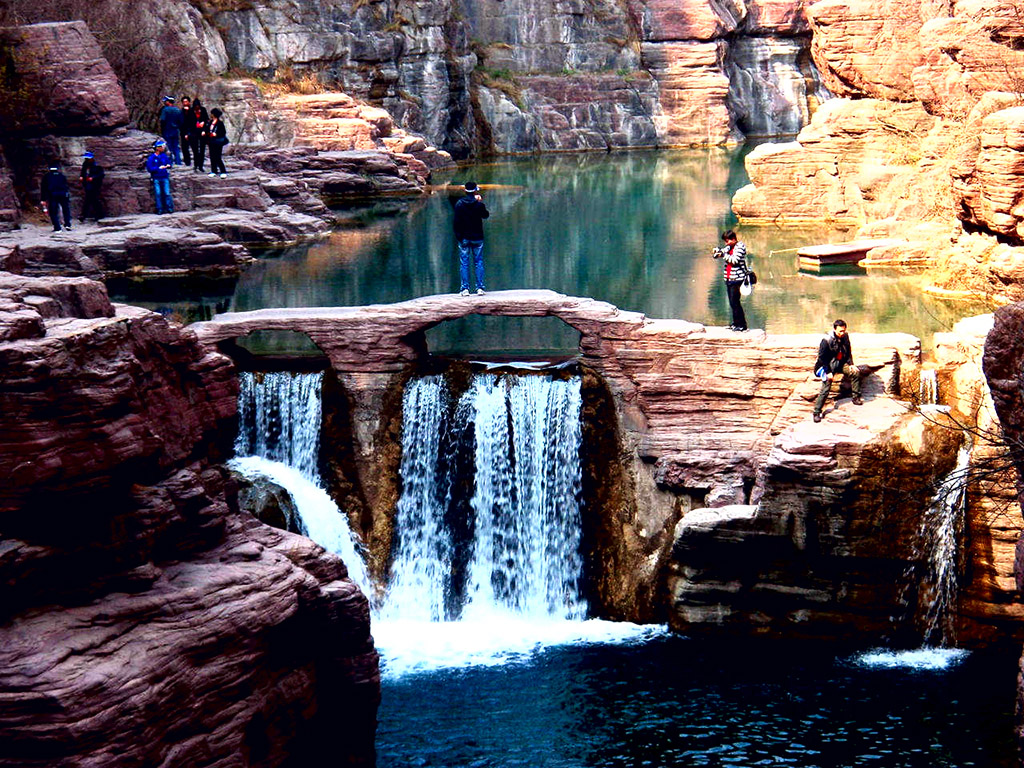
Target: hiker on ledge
[470,213]
[835,355]
[734,255]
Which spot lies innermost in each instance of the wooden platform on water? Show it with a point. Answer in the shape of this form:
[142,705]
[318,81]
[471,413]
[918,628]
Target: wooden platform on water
[814,257]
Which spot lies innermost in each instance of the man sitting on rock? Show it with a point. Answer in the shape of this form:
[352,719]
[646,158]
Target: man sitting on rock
[835,355]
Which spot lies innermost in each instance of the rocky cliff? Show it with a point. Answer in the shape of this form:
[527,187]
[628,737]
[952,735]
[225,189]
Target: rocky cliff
[519,75]
[711,500]
[922,144]
[145,620]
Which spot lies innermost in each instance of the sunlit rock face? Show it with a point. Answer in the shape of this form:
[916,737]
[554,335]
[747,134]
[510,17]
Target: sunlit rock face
[837,168]
[411,58]
[142,615]
[528,75]
[990,177]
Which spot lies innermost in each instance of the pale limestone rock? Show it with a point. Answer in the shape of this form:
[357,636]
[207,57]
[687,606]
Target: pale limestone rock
[693,88]
[989,185]
[975,51]
[664,20]
[816,177]
[867,47]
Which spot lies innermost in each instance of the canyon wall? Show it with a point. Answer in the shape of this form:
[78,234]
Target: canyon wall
[922,144]
[144,619]
[538,75]
[716,502]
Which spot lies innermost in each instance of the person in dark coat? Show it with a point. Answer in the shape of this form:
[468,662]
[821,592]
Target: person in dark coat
[56,196]
[92,184]
[171,120]
[216,139]
[186,137]
[470,213]
[734,254]
[835,356]
[196,127]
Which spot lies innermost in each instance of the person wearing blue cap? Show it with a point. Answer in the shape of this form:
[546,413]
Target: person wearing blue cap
[159,166]
[92,182]
[171,120]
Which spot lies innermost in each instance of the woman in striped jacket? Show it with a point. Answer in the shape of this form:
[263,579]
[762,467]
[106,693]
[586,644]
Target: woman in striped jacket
[734,255]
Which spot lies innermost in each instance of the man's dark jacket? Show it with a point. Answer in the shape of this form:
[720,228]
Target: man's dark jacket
[55,184]
[834,353]
[469,217]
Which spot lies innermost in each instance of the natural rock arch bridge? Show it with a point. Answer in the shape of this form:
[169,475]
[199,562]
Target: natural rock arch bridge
[698,411]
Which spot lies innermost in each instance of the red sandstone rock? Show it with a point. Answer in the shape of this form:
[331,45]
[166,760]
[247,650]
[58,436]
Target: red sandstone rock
[143,621]
[65,85]
[689,19]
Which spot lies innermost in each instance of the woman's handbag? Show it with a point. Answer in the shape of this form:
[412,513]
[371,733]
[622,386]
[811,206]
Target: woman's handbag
[747,286]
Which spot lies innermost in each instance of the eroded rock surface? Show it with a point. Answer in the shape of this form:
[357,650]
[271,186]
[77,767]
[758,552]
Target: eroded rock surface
[144,620]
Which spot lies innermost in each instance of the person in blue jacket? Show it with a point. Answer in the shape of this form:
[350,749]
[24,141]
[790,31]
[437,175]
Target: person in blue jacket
[159,166]
[470,213]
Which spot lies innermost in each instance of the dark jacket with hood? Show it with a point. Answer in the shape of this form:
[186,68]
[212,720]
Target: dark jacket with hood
[54,185]
[834,353]
[469,217]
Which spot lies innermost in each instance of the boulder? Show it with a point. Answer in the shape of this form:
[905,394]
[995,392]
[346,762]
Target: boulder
[57,82]
[143,619]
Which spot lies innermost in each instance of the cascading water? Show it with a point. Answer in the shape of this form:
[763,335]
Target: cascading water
[279,419]
[932,583]
[279,440]
[941,532]
[487,562]
[515,547]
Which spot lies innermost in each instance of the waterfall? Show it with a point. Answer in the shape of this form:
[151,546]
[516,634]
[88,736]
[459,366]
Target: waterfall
[941,532]
[279,419]
[489,517]
[278,440]
[930,590]
[929,394]
[323,521]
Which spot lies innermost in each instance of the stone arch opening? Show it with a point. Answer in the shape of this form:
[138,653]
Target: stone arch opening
[271,350]
[502,337]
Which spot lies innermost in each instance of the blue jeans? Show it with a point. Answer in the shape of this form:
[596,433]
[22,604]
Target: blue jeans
[476,247]
[162,193]
[173,148]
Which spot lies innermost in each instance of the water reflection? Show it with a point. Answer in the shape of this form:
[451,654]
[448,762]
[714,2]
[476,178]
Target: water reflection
[633,229]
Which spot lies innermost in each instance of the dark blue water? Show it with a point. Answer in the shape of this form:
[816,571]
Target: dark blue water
[677,702]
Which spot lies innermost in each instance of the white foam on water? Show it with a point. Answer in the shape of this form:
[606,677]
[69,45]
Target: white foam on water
[919,658]
[324,522]
[414,646]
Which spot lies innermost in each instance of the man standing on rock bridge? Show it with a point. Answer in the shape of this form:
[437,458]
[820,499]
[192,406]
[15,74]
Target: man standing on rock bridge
[470,213]
[835,355]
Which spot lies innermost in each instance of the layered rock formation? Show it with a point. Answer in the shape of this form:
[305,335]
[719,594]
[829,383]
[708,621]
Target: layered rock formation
[144,619]
[792,538]
[954,165]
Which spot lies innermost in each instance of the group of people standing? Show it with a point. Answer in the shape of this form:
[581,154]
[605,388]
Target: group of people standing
[189,130]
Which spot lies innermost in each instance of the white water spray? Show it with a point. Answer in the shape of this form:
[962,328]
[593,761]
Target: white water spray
[279,440]
[496,576]
[279,419]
